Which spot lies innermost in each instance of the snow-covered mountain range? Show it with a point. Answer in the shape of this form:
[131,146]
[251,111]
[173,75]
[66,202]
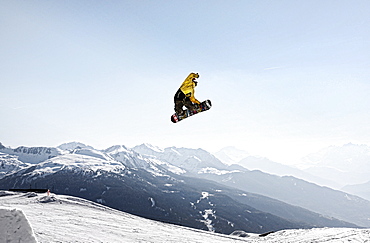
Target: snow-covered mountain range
[10,164]
[232,155]
[345,168]
[334,166]
[348,164]
[169,185]
[148,187]
[301,193]
[191,160]
[60,218]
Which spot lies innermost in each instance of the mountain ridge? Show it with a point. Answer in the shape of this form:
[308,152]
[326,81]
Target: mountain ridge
[151,190]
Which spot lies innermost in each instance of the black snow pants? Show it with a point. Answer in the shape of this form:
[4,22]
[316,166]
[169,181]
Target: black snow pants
[181,100]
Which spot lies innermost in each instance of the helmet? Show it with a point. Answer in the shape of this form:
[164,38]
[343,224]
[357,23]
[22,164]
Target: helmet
[194,77]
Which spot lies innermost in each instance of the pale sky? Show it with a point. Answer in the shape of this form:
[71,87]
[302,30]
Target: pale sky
[286,78]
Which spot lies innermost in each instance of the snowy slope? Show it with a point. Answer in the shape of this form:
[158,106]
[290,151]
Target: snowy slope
[191,160]
[32,155]
[135,160]
[74,162]
[73,145]
[10,164]
[14,226]
[58,218]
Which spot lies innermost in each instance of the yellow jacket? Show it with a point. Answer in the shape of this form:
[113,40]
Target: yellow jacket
[187,87]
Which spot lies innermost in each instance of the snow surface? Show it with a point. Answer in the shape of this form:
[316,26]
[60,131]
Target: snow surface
[76,162]
[14,226]
[9,164]
[73,145]
[210,170]
[92,153]
[60,218]
[33,155]
[191,160]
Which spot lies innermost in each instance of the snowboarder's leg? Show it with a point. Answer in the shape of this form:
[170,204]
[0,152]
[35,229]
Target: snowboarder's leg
[178,107]
[179,102]
[189,105]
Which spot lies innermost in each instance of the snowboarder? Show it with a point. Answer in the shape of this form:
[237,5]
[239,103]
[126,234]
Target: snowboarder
[185,95]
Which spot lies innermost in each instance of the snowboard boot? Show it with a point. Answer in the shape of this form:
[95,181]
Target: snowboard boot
[189,105]
[180,112]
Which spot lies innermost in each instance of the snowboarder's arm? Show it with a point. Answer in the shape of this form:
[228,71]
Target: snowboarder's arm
[189,92]
[192,99]
[188,85]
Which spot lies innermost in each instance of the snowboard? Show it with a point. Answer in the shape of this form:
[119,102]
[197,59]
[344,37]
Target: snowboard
[203,106]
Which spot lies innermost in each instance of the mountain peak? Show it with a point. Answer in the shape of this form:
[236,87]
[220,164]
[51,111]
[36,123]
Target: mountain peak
[73,145]
[117,149]
[33,155]
[151,147]
[231,155]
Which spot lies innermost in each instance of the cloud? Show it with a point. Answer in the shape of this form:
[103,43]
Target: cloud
[272,68]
